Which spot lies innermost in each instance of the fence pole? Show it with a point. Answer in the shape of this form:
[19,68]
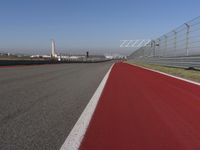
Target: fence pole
[175,39]
[165,44]
[187,39]
[159,51]
[153,44]
[143,52]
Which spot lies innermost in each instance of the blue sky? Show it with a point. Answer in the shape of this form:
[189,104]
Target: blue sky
[28,25]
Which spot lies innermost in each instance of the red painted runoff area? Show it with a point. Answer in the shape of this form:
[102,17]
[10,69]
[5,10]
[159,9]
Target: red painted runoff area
[144,110]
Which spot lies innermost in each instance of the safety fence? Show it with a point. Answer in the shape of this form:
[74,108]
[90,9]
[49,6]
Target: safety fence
[183,41]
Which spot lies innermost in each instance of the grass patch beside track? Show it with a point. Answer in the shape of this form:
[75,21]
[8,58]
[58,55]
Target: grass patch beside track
[193,75]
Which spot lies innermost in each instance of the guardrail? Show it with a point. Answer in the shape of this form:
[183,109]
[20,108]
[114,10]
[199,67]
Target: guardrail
[180,47]
[182,62]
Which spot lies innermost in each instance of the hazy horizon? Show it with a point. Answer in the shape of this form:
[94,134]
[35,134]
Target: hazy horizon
[47,51]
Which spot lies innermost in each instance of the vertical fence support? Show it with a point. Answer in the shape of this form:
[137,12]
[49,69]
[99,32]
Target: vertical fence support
[165,44]
[175,39]
[144,52]
[153,44]
[187,38]
[159,50]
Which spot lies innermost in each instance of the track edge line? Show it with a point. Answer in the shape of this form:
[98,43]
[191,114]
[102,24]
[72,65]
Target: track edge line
[77,133]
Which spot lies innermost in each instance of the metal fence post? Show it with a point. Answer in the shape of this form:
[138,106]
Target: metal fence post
[153,44]
[144,52]
[175,39]
[187,38]
[165,44]
[159,52]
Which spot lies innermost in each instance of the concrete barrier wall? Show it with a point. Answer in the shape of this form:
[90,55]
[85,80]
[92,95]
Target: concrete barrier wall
[40,62]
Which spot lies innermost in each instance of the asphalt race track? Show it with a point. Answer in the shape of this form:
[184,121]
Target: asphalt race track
[39,105]
[138,108]
[144,110]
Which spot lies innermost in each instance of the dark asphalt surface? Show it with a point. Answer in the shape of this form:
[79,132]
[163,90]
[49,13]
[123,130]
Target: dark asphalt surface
[39,105]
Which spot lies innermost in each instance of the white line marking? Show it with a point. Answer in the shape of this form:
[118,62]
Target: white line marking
[186,80]
[76,135]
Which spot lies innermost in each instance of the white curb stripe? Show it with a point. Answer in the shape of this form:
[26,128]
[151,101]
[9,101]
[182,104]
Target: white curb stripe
[76,135]
[186,80]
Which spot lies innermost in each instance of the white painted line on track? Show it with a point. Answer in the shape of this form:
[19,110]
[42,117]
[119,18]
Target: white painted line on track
[76,135]
[186,80]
